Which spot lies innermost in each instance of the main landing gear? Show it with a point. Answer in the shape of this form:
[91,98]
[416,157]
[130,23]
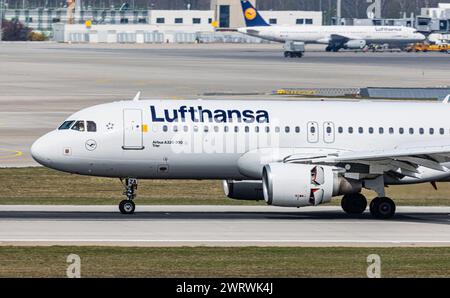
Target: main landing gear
[380,207]
[332,48]
[127,206]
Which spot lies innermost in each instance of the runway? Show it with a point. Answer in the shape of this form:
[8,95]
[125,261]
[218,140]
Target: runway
[220,226]
[43,83]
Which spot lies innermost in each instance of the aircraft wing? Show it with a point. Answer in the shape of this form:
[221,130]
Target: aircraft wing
[403,161]
[343,38]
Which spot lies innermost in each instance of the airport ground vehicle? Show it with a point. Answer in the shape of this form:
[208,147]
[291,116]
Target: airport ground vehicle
[424,47]
[294,49]
[439,48]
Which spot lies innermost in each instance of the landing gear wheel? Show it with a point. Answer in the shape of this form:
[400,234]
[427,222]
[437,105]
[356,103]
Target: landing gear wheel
[328,48]
[382,208]
[286,54]
[354,203]
[127,207]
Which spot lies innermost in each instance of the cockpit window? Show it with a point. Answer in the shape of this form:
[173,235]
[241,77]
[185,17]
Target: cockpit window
[66,125]
[91,126]
[79,125]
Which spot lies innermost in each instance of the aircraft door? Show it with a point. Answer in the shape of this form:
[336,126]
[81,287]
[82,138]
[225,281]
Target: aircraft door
[132,129]
[313,132]
[328,132]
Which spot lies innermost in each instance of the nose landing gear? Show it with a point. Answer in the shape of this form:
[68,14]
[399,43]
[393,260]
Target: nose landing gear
[127,206]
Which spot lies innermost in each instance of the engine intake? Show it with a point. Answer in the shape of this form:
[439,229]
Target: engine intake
[355,44]
[299,185]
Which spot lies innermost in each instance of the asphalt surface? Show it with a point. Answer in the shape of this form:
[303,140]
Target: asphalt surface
[220,226]
[43,83]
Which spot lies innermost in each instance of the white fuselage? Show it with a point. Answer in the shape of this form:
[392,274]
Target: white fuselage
[324,34]
[229,139]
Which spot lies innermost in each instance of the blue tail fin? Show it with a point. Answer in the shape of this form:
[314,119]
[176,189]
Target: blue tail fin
[251,15]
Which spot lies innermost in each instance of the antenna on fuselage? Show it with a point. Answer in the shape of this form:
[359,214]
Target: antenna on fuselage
[138,95]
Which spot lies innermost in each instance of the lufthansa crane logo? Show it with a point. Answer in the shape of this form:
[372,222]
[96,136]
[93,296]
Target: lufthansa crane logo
[91,145]
[250,14]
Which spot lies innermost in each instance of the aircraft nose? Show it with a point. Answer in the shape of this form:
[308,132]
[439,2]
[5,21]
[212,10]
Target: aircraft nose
[42,150]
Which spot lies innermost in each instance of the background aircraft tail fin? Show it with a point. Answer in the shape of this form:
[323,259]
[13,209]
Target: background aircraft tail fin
[251,15]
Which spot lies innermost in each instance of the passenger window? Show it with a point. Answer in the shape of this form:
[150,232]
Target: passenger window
[277,129]
[236,129]
[287,129]
[431,131]
[328,129]
[297,129]
[411,131]
[340,129]
[247,129]
[66,125]
[79,125]
[91,126]
[175,128]
[312,129]
[361,130]
[381,130]
[267,129]
[206,129]
[165,128]
[441,131]
[350,130]
[371,130]
[256,128]
[225,128]
[401,130]
[391,130]
[186,128]
[216,129]
[421,131]
[195,128]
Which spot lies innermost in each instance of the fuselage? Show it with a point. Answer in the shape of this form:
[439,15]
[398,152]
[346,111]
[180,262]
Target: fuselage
[221,139]
[324,34]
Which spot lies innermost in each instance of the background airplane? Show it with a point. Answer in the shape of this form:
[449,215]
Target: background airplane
[290,154]
[336,37]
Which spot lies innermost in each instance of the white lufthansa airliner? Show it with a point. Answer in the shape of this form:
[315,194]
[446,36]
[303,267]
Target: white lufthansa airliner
[336,37]
[288,153]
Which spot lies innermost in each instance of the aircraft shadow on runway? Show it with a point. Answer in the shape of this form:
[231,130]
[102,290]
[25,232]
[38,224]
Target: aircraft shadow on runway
[425,217]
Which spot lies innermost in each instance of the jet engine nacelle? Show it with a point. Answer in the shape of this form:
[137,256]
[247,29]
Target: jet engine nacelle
[355,44]
[299,185]
[243,190]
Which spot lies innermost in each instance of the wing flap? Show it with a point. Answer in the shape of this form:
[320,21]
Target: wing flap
[405,160]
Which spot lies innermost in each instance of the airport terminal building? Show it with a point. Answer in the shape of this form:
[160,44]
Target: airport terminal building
[122,24]
[78,21]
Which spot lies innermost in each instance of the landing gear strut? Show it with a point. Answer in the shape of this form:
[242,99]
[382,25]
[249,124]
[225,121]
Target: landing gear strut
[381,207]
[127,206]
[354,203]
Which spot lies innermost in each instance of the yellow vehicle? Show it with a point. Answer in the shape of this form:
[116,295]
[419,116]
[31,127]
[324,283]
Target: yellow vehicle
[439,48]
[423,47]
[417,47]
